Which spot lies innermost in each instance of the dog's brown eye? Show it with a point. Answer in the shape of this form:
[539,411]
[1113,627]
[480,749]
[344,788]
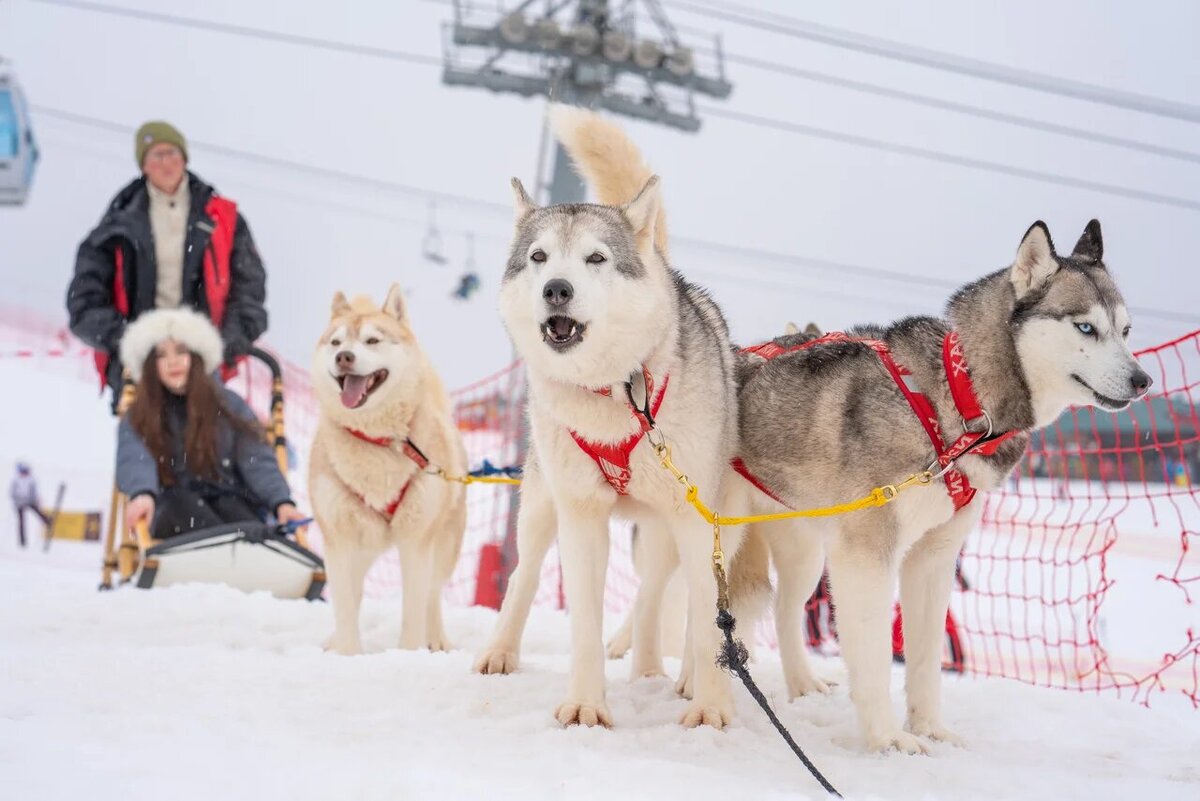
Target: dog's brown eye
[335,342]
[373,341]
[1125,333]
[538,255]
[596,258]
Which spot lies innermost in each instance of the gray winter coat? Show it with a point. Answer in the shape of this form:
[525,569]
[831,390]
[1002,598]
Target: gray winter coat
[246,464]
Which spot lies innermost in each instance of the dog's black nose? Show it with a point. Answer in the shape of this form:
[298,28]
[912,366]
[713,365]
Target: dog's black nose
[1140,382]
[344,359]
[558,292]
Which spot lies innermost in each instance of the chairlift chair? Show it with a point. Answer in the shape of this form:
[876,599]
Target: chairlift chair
[18,149]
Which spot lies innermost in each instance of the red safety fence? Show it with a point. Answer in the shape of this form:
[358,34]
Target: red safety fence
[1082,574]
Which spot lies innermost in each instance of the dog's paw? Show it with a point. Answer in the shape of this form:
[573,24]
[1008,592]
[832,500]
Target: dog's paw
[800,686]
[618,646]
[934,731]
[581,713]
[333,645]
[700,714]
[496,661]
[647,673]
[900,741]
[439,644]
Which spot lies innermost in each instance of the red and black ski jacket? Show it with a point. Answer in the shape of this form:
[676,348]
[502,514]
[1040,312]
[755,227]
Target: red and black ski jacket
[116,273]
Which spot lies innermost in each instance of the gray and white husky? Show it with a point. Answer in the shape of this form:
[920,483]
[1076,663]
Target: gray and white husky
[826,424]
[606,326]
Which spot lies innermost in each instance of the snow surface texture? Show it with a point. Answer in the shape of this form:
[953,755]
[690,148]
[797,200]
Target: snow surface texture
[202,692]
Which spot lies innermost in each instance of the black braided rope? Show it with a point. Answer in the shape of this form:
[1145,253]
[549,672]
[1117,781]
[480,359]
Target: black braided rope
[733,657]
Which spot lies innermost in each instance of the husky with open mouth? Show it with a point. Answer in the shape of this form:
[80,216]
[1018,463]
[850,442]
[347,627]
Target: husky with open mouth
[385,420]
[615,341]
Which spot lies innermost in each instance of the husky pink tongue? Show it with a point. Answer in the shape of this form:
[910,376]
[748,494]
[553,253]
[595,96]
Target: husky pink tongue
[354,389]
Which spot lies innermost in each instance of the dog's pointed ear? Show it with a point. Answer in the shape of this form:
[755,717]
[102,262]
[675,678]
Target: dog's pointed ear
[1035,262]
[394,304]
[1090,245]
[812,330]
[642,211]
[523,204]
[339,306]
[791,328]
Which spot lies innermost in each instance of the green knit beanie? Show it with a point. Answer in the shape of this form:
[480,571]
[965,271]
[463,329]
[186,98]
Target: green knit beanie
[155,132]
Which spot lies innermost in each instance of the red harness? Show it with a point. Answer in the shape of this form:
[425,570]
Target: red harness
[962,390]
[613,460]
[410,450]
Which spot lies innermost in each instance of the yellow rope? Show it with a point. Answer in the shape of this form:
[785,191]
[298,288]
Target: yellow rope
[440,473]
[879,496]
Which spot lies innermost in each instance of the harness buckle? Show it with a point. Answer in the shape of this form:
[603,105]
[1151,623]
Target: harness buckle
[934,465]
[966,425]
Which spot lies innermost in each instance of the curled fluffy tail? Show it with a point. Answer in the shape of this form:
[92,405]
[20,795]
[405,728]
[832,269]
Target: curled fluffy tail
[606,159]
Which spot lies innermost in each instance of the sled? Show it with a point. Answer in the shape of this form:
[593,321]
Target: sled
[250,555]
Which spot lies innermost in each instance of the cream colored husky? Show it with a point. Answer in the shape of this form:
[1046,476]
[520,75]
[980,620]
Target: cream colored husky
[384,418]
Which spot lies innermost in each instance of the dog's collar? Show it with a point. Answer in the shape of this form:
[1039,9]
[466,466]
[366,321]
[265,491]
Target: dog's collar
[978,434]
[645,408]
[614,460]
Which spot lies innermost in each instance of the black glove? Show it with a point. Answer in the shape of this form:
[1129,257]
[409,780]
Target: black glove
[235,347]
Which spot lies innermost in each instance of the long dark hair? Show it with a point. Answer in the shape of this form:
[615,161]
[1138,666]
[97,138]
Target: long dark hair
[206,411]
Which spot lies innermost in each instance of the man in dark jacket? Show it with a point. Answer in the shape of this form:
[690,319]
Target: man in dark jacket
[167,240]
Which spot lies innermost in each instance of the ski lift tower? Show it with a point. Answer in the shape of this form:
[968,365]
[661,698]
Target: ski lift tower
[623,56]
[620,55]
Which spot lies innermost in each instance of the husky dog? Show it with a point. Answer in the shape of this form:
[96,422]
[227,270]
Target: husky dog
[612,337]
[385,418]
[826,423]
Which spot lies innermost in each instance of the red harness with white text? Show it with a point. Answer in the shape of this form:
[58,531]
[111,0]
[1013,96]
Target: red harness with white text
[613,460]
[962,390]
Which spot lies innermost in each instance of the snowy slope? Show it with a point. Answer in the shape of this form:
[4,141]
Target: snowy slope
[202,692]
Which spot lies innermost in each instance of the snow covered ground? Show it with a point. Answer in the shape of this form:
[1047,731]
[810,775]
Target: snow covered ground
[201,692]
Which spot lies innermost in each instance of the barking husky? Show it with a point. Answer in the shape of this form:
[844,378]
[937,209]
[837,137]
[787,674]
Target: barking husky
[827,422]
[384,418]
[614,338]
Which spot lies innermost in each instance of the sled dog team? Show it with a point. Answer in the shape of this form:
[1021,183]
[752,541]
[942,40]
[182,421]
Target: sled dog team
[616,341]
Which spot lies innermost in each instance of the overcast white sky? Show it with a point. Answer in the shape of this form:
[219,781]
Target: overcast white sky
[733,183]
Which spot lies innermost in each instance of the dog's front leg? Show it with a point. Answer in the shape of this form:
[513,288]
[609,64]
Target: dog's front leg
[712,700]
[416,562]
[583,545]
[926,580]
[862,578]
[347,567]
[535,535]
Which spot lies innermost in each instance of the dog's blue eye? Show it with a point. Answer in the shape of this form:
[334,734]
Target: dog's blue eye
[538,255]
[1086,328]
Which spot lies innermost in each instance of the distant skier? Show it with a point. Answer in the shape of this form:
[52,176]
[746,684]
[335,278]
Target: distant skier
[24,494]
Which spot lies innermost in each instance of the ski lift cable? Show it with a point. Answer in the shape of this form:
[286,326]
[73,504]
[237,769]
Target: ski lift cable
[708,246]
[247,31]
[966,109]
[857,140]
[947,62]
